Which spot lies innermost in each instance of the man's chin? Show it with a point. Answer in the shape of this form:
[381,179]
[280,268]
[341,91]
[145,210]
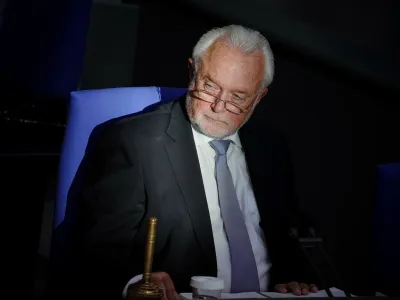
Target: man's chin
[214,134]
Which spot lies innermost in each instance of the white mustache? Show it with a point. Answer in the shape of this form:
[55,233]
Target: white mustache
[216,119]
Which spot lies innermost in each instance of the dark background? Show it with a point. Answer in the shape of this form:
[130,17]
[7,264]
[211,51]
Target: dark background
[335,95]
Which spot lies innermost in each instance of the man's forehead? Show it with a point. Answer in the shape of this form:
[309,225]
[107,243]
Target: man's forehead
[253,66]
[221,49]
[212,69]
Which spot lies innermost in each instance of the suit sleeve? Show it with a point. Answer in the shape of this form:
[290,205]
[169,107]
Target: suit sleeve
[110,199]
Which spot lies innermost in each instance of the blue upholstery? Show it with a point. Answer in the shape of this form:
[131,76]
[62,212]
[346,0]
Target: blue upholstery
[89,109]
[387,227]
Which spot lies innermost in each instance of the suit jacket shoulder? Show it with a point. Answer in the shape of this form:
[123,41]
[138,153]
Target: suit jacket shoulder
[132,127]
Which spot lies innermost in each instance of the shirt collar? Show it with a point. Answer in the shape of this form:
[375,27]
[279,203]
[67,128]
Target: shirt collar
[201,139]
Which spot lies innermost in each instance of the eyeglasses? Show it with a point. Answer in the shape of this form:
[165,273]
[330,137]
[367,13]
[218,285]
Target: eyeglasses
[229,105]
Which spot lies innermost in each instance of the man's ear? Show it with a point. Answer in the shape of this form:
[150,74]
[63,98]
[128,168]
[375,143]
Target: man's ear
[191,69]
[262,95]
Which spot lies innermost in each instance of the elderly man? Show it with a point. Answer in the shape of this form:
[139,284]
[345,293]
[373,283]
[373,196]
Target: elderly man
[223,199]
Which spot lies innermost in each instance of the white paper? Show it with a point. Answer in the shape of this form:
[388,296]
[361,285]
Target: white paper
[320,294]
[242,295]
[188,296]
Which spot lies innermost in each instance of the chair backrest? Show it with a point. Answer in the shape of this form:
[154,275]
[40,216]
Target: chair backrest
[89,109]
[386,227]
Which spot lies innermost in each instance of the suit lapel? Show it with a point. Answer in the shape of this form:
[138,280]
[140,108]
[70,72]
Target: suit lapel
[270,171]
[258,165]
[182,154]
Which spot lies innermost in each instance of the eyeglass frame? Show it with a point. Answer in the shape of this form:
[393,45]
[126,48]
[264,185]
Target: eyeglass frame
[243,110]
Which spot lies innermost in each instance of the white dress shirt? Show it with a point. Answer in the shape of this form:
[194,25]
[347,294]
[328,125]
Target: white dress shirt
[237,166]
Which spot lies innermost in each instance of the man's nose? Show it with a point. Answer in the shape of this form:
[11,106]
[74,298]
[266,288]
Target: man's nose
[218,106]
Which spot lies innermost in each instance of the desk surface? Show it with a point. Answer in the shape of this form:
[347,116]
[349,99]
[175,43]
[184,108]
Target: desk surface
[258,296]
[324,298]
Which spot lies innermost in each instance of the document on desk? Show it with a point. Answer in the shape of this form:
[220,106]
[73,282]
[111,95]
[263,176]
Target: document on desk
[263,295]
[250,295]
[320,294]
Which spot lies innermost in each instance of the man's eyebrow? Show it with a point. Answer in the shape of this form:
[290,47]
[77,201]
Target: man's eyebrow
[208,77]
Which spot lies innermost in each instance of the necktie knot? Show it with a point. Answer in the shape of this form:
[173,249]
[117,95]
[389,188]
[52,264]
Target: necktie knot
[220,146]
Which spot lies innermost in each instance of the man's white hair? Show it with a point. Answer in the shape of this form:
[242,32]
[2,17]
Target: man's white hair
[246,39]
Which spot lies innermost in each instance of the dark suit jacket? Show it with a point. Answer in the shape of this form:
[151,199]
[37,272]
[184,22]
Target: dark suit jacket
[146,165]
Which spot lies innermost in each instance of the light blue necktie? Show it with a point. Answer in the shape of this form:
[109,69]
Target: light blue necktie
[244,268]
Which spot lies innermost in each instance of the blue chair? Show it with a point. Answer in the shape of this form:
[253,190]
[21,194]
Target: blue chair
[89,109]
[387,228]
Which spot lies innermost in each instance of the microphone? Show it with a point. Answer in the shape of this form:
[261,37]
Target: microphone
[314,241]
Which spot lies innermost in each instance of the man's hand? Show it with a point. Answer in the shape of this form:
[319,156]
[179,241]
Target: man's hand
[163,280]
[296,288]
